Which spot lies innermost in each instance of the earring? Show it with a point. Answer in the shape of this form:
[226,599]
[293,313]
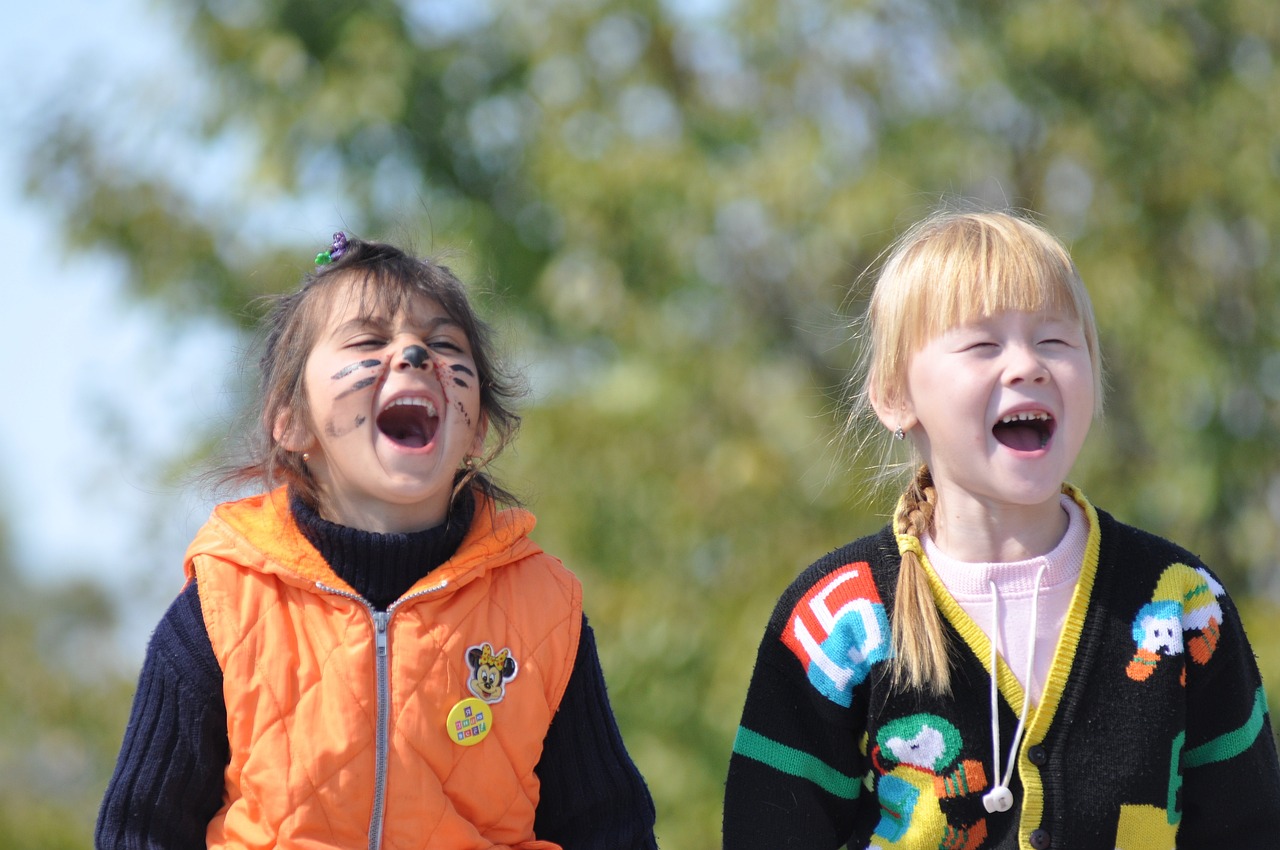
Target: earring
[469,463]
[899,434]
[306,457]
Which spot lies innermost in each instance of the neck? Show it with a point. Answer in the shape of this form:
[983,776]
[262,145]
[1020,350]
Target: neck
[968,530]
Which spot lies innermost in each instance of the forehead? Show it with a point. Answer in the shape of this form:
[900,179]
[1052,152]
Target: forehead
[370,301]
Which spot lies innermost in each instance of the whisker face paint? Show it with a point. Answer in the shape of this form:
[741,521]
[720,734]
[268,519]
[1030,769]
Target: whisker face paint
[347,370]
[361,384]
[458,367]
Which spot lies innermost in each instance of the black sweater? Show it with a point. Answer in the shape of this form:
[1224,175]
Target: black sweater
[1152,730]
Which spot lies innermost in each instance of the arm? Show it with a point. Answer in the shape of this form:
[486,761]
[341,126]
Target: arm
[168,780]
[795,775]
[593,797]
[1230,771]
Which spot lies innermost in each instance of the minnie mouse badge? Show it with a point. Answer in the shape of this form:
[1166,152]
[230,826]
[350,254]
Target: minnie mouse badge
[490,672]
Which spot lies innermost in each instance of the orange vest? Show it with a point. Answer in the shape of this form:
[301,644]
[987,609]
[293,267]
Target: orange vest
[339,717]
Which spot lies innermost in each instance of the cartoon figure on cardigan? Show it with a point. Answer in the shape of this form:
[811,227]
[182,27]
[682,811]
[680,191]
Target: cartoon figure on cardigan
[838,630]
[921,752]
[1185,601]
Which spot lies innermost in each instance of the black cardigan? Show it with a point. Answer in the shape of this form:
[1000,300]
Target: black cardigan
[1153,720]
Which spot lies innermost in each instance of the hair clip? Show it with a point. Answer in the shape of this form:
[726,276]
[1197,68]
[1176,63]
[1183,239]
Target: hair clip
[335,252]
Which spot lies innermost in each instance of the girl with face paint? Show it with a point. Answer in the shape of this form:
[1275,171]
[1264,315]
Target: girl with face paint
[373,652]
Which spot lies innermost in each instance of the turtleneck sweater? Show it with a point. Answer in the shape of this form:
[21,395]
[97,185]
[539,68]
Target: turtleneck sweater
[1015,581]
[168,782]
[382,567]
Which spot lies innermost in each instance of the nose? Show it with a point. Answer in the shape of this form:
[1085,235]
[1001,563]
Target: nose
[414,356]
[1024,364]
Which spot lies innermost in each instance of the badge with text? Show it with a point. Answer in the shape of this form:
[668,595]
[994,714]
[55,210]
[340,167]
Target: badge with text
[470,721]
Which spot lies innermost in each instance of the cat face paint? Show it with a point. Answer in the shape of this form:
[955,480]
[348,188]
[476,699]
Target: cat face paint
[396,409]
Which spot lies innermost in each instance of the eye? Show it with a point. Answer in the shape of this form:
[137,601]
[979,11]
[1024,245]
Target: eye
[366,342]
[447,345]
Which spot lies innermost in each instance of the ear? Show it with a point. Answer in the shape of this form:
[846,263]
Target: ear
[291,435]
[893,413]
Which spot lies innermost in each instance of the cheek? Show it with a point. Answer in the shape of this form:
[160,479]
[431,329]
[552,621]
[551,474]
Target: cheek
[460,390]
[339,395]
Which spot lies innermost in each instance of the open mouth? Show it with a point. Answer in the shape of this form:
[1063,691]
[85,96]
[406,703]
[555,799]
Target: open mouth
[410,422]
[1025,432]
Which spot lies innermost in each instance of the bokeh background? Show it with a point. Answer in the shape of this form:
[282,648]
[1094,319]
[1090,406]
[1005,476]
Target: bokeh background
[665,207]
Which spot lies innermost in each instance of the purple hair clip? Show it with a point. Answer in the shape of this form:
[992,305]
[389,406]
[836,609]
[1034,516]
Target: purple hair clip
[335,252]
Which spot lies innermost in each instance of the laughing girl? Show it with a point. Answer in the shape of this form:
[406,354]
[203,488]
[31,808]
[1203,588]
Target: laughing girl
[374,653]
[1005,665]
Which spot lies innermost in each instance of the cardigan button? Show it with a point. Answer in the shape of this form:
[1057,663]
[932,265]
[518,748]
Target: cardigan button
[1041,840]
[1038,755]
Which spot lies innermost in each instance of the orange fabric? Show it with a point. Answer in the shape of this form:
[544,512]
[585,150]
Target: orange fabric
[299,664]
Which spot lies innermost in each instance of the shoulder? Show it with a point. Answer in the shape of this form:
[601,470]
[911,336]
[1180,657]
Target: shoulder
[865,568]
[180,648]
[1139,556]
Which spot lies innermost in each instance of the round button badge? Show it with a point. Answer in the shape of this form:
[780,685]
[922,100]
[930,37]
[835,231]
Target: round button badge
[469,722]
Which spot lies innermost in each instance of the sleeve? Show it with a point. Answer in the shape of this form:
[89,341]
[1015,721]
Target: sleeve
[1230,795]
[593,796]
[795,774]
[168,780]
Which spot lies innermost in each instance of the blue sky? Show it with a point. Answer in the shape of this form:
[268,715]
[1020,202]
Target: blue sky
[103,396]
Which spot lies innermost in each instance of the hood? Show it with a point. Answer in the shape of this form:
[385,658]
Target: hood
[258,533]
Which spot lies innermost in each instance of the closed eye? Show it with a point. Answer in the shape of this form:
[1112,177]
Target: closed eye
[445,345]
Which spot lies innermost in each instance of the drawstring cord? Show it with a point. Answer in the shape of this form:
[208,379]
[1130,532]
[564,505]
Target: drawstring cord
[1000,798]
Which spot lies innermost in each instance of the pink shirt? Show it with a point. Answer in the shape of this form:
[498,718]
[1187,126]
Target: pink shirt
[969,585]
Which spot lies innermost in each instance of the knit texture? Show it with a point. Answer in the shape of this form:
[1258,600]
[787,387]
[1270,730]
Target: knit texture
[1152,713]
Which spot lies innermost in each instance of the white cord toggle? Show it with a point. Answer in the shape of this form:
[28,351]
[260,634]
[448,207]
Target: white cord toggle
[1000,798]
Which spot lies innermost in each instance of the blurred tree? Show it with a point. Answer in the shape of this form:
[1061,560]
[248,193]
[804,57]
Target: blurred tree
[63,706]
[671,203]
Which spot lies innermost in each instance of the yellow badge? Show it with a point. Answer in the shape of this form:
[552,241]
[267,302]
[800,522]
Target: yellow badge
[470,721]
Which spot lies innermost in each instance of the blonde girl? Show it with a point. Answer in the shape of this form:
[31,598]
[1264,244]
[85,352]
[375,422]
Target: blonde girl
[1005,665]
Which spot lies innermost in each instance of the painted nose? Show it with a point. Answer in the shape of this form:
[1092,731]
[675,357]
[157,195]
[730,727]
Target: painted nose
[416,356]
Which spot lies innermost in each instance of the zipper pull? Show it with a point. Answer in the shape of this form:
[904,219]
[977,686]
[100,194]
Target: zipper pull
[380,620]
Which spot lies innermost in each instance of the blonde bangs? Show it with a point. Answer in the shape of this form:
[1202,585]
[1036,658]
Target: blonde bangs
[958,267]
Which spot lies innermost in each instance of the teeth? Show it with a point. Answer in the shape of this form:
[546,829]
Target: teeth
[1025,417]
[414,401]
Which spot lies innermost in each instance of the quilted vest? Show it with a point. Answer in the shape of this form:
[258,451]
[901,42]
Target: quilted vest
[416,727]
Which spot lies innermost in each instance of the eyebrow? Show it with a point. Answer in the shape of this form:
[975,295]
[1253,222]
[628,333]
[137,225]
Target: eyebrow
[375,322]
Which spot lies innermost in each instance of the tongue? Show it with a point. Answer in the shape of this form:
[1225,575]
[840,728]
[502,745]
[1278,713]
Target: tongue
[1021,436]
[407,426]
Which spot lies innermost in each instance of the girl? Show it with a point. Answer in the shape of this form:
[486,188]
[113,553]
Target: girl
[373,654]
[1005,665]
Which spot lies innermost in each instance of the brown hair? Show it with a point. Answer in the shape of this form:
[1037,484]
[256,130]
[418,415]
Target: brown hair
[948,269]
[384,280]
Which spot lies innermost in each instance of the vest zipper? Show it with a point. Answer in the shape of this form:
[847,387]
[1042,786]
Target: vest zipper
[382,673]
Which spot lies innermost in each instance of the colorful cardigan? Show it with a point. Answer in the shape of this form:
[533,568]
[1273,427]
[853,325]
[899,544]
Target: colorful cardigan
[1152,731]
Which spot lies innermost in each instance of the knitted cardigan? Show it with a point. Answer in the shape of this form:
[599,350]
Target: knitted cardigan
[1152,731]
[168,781]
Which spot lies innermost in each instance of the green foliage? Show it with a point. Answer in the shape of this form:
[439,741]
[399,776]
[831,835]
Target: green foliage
[671,211]
[62,712]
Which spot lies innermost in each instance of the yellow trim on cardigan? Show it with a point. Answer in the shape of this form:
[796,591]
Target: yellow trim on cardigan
[1063,655]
